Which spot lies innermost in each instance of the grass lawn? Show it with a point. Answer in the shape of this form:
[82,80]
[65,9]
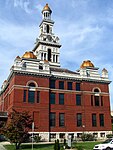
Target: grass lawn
[29,147]
[84,145]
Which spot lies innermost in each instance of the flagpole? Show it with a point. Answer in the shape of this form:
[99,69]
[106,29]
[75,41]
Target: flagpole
[32,133]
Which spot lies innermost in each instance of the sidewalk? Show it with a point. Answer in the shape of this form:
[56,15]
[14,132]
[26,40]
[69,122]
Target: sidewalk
[2,147]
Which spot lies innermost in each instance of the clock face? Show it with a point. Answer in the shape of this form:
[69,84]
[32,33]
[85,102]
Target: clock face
[49,38]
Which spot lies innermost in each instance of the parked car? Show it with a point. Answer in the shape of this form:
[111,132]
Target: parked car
[106,145]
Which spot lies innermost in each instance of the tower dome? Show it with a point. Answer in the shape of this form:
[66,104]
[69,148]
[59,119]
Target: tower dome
[29,55]
[46,8]
[87,63]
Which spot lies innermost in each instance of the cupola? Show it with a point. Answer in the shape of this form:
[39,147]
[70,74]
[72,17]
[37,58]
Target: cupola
[46,8]
[46,12]
[87,63]
[29,55]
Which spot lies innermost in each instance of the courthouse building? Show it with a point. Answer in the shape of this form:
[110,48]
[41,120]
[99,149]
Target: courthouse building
[62,102]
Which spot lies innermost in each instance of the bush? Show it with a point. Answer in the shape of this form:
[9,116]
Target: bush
[37,138]
[87,137]
[79,148]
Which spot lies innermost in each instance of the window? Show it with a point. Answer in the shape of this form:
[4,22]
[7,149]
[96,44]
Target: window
[61,119]
[62,135]
[101,118]
[79,135]
[91,100]
[40,67]
[69,85]
[96,90]
[31,96]
[49,54]
[53,58]
[78,100]
[95,135]
[53,135]
[56,58]
[47,28]
[52,119]
[61,98]
[41,56]
[38,96]
[31,84]
[94,123]
[52,84]
[61,84]
[44,56]
[96,100]
[77,86]
[52,98]
[24,97]
[79,120]
[102,134]
[101,100]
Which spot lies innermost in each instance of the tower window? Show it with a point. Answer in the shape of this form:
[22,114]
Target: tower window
[56,58]
[53,58]
[41,56]
[49,54]
[40,67]
[47,28]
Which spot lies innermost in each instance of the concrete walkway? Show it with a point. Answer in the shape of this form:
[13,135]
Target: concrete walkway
[2,147]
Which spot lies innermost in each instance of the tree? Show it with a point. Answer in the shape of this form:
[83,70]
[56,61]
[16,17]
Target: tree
[16,130]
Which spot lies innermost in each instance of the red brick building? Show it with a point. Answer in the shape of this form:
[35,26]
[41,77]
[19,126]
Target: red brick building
[62,102]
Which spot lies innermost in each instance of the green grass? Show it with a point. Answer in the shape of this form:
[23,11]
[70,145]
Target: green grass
[83,145]
[29,146]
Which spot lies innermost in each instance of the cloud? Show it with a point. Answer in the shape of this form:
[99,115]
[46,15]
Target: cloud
[23,4]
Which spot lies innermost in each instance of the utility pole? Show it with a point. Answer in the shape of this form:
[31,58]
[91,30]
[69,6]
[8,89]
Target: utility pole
[32,134]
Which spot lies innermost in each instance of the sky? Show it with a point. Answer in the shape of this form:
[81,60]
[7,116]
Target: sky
[85,29]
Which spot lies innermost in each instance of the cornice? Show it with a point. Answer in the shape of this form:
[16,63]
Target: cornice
[47,44]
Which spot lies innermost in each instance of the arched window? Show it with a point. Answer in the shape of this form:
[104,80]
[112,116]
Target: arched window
[96,98]
[96,90]
[32,84]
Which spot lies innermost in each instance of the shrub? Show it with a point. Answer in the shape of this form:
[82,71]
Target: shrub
[87,137]
[37,138]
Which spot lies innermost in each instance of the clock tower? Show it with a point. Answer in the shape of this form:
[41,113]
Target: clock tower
[47,44]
